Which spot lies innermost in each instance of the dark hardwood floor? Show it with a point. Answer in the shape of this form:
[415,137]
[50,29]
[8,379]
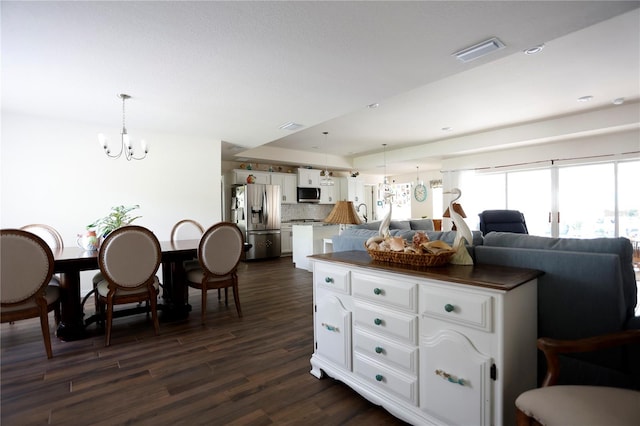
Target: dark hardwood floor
[246,371]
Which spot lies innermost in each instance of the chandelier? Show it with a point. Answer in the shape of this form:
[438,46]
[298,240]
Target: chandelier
[326,180]
[384,189]
[126,146]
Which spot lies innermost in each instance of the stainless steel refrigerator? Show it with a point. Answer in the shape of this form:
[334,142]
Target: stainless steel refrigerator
[255,208]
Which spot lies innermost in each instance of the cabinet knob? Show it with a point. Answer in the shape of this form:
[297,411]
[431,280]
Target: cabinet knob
[328,280]
[449,307]
[377,291]
[379,377]
[377,321]
[379,350]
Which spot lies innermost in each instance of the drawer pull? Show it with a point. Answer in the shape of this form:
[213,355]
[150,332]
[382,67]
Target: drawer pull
[377,321]
[328,280]
[331,327]
[379,350]
[449,307]
[379,377]
[377,291]
[448,377]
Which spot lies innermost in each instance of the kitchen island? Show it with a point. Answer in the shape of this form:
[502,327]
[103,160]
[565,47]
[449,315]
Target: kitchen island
[443,345]
[308,239]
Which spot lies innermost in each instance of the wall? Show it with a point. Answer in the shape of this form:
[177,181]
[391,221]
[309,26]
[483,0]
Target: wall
[55,172]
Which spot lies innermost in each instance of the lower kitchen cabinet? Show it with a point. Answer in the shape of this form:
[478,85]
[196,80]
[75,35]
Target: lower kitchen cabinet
[452,348]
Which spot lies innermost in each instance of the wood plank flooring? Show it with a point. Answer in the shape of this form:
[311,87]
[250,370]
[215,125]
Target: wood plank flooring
[245,371]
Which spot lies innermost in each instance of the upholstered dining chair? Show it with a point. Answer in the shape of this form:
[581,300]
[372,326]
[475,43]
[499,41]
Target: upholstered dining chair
[51,236]
[563,405]
[128,258]
[187,229]
[27,268]
[219,253]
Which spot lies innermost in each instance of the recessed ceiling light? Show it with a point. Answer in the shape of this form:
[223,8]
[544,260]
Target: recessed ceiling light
[479,50]
[618,101]
[585,98]
[533,50]
[375,105]
[447,129]
[291,126]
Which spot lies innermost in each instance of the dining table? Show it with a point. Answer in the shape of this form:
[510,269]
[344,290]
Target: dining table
[69,261]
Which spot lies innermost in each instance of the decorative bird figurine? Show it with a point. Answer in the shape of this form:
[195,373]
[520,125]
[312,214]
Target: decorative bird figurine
[463,230]
[384,225]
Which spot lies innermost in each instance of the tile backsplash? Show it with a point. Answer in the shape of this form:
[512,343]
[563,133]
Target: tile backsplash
[304,211]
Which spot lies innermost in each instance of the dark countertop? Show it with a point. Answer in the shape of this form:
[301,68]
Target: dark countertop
[489,276]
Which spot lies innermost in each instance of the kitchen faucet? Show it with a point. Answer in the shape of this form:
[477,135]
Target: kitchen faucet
[365,211]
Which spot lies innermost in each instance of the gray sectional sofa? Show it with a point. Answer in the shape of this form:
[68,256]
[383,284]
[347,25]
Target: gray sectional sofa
[588,288]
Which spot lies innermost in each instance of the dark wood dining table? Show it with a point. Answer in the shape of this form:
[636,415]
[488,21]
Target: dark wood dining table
[69,261]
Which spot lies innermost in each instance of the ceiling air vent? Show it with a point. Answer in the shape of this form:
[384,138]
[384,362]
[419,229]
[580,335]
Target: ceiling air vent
[479,50]
[291,126]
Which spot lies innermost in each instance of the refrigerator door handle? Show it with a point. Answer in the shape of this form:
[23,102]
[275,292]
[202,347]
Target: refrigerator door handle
[265,204]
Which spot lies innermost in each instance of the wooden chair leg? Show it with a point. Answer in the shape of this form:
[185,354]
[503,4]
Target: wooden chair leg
[107,340]
[204,304]
[226,296]
[154,312]
[46,336]
[236,299]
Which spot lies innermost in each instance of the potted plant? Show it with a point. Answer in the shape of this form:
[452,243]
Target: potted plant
[119,216]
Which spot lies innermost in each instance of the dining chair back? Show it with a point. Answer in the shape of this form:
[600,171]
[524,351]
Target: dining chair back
[48,233]
[27,268]
[186,229]
[219,253]
[128,258]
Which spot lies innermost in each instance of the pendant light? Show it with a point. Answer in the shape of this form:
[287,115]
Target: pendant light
[326,179]
[126,146]
[385,188]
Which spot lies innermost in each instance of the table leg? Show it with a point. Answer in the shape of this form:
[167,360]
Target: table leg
[175,293]
[71,325]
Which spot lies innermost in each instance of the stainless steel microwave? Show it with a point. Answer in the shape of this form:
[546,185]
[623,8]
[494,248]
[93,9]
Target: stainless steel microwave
[308,195]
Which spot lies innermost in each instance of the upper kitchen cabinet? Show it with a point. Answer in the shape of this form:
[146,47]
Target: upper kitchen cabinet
[354,190]
[239,176]
[288,183]
[331,194]
[308,178]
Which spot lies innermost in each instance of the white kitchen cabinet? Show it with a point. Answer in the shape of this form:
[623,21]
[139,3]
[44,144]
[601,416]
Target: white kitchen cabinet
[288,187]
[308,178]
[286,239]
[455,347]
[239,176]
[308,239]
[330,194]
[355,190]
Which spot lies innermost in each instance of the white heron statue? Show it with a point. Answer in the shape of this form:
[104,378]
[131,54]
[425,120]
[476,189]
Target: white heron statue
[463,230]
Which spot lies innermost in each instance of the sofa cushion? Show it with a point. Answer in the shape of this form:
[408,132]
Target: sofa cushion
[367,225]
[619,246]
[399,224]
[421,224]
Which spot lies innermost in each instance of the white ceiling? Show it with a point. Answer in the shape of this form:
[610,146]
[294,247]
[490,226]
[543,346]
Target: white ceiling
[237,71]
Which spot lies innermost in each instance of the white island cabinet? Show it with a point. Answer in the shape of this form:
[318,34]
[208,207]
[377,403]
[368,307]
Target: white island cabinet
[308,239]
[452,345]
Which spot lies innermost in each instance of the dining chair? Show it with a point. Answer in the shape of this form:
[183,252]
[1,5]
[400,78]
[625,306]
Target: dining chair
[219,253]
[27,268]
[187,229]
[51,236]
[128,258]
[554,404]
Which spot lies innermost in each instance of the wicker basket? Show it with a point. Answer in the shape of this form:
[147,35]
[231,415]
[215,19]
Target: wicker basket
[413,259]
